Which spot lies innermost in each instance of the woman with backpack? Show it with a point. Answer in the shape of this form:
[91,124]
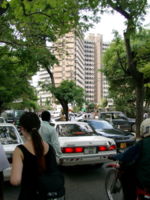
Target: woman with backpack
[33,160]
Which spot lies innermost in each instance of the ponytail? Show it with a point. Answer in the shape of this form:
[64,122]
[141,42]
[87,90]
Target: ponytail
[31,122]
[38,148]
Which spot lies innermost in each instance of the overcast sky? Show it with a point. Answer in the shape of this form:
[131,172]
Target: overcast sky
[110,22]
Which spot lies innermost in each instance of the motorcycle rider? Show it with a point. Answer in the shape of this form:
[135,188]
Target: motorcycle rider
[135,164]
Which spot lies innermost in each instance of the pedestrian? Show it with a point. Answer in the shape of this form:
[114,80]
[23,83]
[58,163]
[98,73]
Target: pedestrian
[49,133]
[145,115]
[3,165]
[32,158]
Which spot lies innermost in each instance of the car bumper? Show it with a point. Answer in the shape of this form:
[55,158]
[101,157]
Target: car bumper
[72,160]
[122,145]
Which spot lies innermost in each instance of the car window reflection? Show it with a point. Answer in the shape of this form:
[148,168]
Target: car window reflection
[69,130]
[8,135]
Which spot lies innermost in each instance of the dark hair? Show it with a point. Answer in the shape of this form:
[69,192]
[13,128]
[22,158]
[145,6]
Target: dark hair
[31,122]
[46,116]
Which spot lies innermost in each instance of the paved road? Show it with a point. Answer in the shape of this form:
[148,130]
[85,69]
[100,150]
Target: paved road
[82,183]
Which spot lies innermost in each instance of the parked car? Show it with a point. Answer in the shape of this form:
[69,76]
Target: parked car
[12,116]
[80,145]
[122,138]
[119,120]
[2,120]
[9,138]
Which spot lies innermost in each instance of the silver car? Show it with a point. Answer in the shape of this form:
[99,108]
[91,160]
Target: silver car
[9,138]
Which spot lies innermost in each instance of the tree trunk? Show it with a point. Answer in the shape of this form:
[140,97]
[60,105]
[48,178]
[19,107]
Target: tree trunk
[1,106]
[65,107]
[139,105]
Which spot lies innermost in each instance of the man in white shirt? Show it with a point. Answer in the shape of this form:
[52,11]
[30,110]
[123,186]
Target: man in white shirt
[49,133]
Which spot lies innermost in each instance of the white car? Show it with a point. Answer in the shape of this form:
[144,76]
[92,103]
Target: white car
[80,145]
[9,138]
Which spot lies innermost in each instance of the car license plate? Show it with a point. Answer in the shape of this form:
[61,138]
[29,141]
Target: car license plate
[90,150]
[123,145]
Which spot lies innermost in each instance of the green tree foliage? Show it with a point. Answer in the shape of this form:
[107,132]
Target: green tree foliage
[17,66]
[122,87]
[67,92]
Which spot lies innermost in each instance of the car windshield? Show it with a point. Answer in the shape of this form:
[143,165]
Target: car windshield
[8,135]
[100,125]
[68,130]
[1,120]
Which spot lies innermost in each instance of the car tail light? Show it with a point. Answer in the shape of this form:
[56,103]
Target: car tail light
[67,150]
[102,148]
[72,149]
[112,147]
[78,149]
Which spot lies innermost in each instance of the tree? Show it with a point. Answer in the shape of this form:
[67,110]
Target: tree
[115,66]
[67,92]
[15,67]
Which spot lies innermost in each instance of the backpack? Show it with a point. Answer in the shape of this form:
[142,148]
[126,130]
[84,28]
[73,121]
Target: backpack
[50,185]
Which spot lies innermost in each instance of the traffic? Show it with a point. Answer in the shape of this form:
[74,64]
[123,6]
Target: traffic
[83,142]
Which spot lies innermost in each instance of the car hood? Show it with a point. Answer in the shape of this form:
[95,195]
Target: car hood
[85,141]
[113,133]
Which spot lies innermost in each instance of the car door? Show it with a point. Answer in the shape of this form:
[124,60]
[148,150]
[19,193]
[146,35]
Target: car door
[120,121]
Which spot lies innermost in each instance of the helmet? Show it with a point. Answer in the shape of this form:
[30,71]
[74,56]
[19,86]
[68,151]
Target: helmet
[145,128]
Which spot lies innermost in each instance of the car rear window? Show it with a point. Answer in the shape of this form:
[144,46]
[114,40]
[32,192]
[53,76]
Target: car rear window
[8,135]
[68,130]
[100,125]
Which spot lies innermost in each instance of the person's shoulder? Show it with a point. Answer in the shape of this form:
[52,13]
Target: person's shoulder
[18,150]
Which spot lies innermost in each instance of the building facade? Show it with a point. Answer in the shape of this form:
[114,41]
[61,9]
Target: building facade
[80,60]
[70,55]
[93,63]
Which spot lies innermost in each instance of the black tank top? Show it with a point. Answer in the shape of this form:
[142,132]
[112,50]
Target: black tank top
[30,171]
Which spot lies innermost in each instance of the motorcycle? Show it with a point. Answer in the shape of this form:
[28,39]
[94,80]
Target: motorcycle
[113,185]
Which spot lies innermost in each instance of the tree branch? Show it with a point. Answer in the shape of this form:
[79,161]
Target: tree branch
[119,9]
[121,63]
[51,75]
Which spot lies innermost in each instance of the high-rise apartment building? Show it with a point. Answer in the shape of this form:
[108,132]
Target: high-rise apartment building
[70,55]
[105,85]
[93,63]
[69,50]
[80,60]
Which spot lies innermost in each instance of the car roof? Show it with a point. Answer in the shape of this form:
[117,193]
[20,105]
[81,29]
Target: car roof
[112,112]
[95,120]
[7,124]
[67,122]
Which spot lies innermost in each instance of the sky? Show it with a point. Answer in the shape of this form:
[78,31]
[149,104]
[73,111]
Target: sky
[110,22]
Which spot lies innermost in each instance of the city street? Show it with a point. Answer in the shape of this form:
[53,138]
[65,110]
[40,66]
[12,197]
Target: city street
[82,183]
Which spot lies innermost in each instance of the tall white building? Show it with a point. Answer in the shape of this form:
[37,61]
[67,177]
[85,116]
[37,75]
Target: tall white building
[80,60]
[71,59]
[93,63]
[105,85]
[69,50]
